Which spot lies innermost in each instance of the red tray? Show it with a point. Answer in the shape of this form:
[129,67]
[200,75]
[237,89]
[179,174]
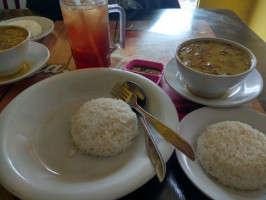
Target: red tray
[149,69]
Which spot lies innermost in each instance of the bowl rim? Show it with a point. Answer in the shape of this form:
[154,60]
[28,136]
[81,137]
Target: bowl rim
[19,44]
[253,57]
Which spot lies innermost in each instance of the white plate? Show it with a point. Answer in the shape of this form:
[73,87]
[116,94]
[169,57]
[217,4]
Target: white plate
[35,141]
[46,24]
[200,119]
[37,56]
[241,93]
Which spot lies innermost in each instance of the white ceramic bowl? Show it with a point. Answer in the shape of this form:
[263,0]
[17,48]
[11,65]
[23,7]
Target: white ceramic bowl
[12,58]
[208,85]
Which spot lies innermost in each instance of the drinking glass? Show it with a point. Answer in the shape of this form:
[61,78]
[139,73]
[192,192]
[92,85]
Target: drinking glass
[87,25]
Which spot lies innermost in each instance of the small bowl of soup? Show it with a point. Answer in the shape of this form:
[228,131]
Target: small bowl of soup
[211,66]
[14,41]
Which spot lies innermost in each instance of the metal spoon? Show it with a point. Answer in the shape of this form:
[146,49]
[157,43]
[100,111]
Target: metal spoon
[151,145]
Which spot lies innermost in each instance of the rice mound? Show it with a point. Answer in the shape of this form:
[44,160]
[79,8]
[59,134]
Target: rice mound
[103,127]
[233,153]
[33,26]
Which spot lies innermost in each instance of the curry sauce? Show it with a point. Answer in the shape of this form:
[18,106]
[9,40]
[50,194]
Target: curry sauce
[213,57]
[25,68]
[11,36]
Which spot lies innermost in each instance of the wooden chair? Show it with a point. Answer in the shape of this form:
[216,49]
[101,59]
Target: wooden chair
[17,4]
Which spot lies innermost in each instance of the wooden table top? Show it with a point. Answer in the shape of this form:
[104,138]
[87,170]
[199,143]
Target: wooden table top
[152,36]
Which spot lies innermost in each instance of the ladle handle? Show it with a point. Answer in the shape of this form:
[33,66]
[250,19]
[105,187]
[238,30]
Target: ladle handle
[153,151]
[170,135]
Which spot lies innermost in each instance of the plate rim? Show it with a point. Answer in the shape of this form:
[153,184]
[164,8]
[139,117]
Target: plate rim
[60,76]
[33,17]
[187,165]
[41,61]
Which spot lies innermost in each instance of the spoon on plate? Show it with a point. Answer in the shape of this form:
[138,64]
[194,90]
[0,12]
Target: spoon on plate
[151,145]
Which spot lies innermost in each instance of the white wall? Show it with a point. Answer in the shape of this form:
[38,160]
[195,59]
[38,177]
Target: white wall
[12,5]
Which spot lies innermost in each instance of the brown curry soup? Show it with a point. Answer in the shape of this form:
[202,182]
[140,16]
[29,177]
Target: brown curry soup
[215,57]
[11,36]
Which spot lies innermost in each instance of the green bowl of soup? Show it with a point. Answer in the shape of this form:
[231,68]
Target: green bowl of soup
[211,66]
[14,41]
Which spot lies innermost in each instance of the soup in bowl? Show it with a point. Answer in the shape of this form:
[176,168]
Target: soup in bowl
[14,41]
[211,66]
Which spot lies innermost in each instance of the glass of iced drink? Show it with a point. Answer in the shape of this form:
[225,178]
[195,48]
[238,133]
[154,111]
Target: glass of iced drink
[87,25]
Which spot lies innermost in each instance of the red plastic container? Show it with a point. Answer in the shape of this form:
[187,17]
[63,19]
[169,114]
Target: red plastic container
[149,69]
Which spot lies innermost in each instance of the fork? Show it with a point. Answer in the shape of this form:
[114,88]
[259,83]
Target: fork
[151,145]
[170,135]
[54,69]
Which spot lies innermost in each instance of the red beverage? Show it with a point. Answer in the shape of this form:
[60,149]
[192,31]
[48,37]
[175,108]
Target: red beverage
[88,33]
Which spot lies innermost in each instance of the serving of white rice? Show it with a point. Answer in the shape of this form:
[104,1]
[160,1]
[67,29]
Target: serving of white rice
[233,153]
[33,26]
[103,127]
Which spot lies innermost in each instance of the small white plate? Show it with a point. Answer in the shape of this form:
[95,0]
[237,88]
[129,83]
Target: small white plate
[35,143]
[46,24]
[241,93]
[37,56]
[201,118]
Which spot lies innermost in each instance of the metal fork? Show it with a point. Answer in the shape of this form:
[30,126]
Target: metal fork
[151,145]
[54,69]
[170,135]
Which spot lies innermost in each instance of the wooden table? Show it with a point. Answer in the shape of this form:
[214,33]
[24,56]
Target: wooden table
[151,35]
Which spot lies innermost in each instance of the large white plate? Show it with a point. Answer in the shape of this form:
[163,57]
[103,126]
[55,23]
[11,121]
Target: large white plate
[241,93]
[35,140]
[46,24]
[193,125]
[37,56]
